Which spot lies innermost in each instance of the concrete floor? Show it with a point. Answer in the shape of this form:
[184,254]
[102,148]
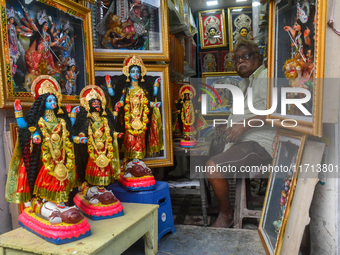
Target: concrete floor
[191,238]
[194,240]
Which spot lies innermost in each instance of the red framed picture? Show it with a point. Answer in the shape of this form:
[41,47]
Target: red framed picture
[212,28]
[226,61]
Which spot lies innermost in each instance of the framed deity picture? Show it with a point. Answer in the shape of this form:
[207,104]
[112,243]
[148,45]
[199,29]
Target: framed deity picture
[296,63]
[217,101]
[122,27]
[240,24]
[209,61]
[165,156]
[280,190]
[212,28]
[227,61]
[44,38]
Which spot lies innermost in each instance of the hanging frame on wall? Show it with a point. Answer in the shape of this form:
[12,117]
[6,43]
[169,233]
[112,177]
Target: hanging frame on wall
[212,28]
[240,24]
[209,61]
[44,38]
[227,61]
[121,28]
[296,62]
[218,101]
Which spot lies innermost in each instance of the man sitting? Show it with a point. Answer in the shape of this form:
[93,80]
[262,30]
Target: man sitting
[245,145]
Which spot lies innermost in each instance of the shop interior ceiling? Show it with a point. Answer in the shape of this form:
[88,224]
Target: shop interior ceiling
[201,5]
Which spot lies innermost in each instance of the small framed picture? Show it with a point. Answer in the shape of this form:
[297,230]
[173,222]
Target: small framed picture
[209,61]
[218,101]
[227,61]
[212,29]
[240,24]
[131,27]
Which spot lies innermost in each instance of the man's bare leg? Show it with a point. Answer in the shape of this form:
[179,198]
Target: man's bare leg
[220,186]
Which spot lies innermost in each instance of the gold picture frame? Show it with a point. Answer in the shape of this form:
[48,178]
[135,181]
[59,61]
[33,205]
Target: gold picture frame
[23,38]
[166,159]
[280,189]
[210,61]
[144,32]
[212,28]
[297,62]
[239,19]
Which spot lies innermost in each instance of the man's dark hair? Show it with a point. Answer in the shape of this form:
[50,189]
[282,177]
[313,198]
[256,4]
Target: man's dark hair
[252,48]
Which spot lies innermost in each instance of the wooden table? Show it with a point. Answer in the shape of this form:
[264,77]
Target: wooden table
[111,236]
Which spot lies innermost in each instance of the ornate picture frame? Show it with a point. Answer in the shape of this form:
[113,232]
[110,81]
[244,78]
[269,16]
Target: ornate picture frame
[297,32]
[280,189]
[166,159]
[39,38]
[217,101]
[209,61]
[121,28]
[239,24]
[212,28]
[227,61]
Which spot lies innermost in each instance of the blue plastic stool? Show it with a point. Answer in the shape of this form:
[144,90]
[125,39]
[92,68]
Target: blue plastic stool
[160,196]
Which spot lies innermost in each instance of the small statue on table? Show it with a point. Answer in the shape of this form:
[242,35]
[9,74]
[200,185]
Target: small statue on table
[99,160]
[189,119]
[139,120]
[42,171]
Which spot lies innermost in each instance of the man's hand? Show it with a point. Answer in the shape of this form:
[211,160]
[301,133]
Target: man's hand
[233,134]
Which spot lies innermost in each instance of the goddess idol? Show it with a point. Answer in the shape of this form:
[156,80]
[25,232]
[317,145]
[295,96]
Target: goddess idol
[42,170]
[135,99]
[98,162]
[188,120]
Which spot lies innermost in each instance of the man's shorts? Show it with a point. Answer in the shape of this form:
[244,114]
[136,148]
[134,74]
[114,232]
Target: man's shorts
[242,159]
